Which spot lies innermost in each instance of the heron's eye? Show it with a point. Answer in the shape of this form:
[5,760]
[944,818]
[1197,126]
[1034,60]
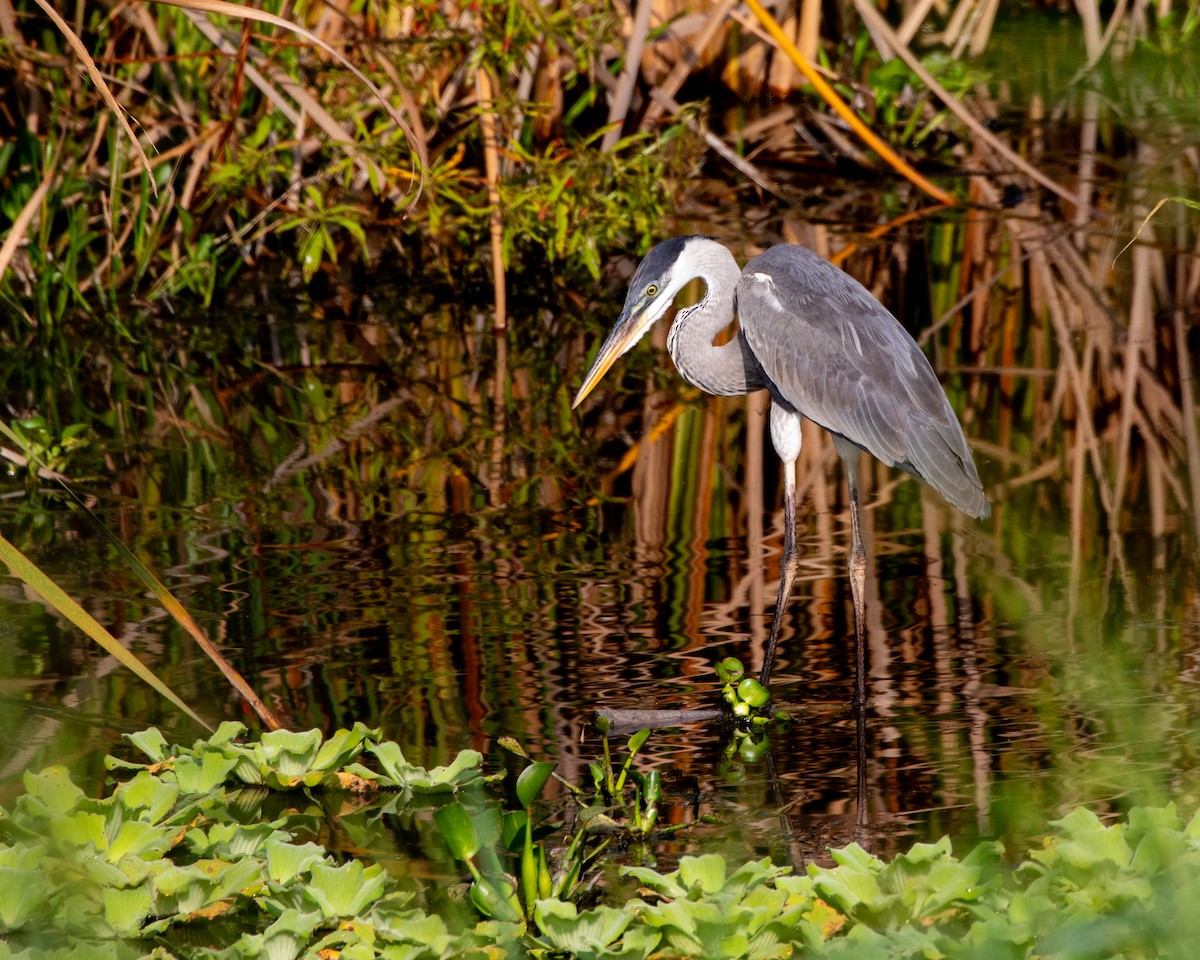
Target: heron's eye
[652,290]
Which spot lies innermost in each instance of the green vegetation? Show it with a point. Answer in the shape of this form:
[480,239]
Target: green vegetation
[185,858]
[487,164]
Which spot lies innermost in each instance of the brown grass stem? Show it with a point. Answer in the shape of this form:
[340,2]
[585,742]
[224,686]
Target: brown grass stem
[618,107]
[874,19]
[842,109]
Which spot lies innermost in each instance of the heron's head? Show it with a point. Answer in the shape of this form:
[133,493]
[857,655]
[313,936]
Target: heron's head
[666,270]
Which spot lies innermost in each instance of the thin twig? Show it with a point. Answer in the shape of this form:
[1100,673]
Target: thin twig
[839,106]
[875,20]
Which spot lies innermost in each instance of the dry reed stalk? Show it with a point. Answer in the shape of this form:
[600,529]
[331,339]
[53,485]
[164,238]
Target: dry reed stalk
[29,210]
[809,40]
[914,19]
[102,87]
[684,66]
[873,18]
[983,27]
[194,10]
[1089,136]
[1138,339]
[1079,380]
[725,151]
[839,106]
[957,32]
[781,75]
[618,107]
[491,160]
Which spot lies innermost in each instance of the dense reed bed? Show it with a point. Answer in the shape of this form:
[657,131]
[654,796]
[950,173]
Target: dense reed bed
[459,147]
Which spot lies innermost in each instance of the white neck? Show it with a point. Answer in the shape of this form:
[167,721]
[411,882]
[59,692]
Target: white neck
[728,370]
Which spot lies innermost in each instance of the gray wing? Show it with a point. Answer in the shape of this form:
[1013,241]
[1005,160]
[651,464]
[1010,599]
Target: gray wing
[835,354]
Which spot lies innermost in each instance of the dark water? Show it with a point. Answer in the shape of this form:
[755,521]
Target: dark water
[1017,666]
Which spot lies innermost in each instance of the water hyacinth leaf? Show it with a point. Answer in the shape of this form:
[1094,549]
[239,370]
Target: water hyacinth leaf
[852,883]
[652,787]
[136,838]
[730,670]
[149,796]
[401,923]
[21,892]
[664,885]
[702,875]
[152,743]
[173,879]
[464,769]
[574,932]
[343,746]
[181,889]
[125,910]
[1088,842]
[234,841]
[513,828]
[638,740]
[52,792]
[282,940]
[531,781]
[203,775]
[227,732]
[230,878]
[80,829]
[346,890]
[458,830]
[391,759]
[290,753]
[495,897]
[286,861]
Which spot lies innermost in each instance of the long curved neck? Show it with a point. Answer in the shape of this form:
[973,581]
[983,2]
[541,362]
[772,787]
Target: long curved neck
[729,370]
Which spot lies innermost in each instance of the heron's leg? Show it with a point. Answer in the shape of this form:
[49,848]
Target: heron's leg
[788,565]
[786,437]
[858,575]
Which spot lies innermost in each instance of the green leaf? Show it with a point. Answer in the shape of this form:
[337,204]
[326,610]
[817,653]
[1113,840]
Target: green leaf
[702,875]
[125,910]
[531,781]
[152,743]
[495,897]
[286,861]
[638,740]
[203,775]
[149,796]
[343,746]
[574,932]
[21,892]
[345,891]
[458,830]
[290,753]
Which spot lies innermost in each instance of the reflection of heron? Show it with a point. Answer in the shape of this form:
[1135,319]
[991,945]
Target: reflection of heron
[825,349]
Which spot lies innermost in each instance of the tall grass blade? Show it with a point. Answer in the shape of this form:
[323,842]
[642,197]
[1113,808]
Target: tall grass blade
[224,8]
[25,570]
[97,78]
[184,619]
[164,596]
[1186,201]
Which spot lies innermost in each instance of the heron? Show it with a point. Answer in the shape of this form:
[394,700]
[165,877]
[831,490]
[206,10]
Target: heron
[825,349]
